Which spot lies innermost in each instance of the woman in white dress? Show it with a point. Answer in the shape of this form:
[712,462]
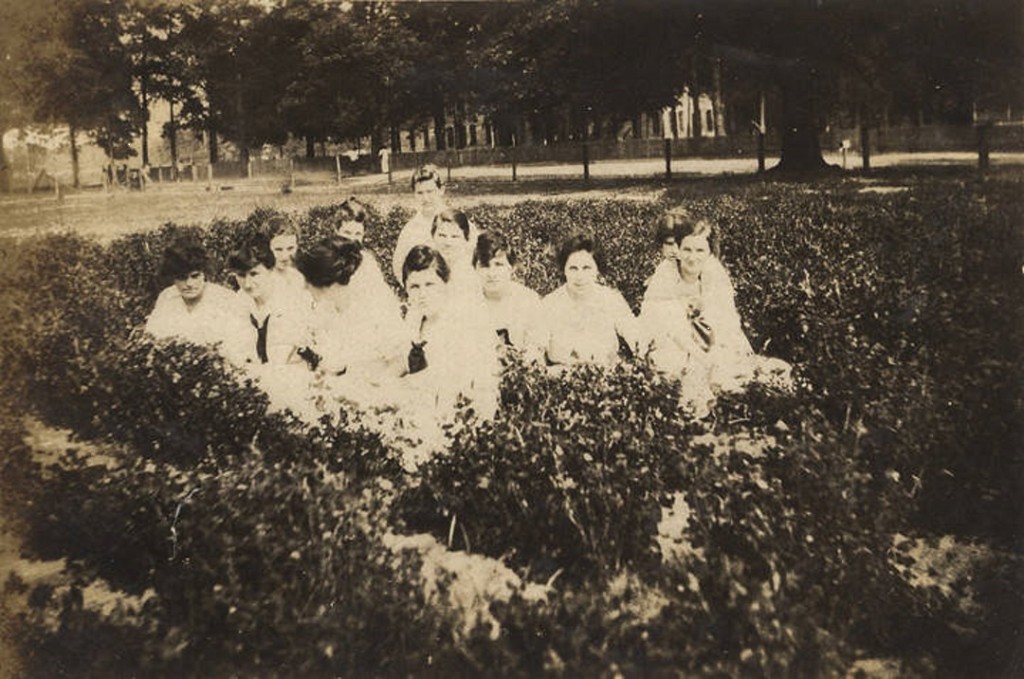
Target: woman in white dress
[450,235]
[352,227]
[357,334]
[451,350]
[689,314]
[194,310]
[284,244]
[280,316]
[584,319]
[514,309]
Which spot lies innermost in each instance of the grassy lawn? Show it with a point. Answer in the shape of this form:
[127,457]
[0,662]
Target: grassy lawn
[106,215]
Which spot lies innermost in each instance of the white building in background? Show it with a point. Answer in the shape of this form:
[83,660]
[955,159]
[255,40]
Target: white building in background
[677,122]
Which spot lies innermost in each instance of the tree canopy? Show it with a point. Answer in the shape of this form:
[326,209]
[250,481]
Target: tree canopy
[255,72]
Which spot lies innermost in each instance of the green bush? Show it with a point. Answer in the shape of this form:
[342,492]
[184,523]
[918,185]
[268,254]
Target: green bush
[567,476]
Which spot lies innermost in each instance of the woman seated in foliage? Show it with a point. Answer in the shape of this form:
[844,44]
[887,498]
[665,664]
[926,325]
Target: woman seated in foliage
[279,315]
[451,348]
[352,227]
[194,310]
[356,335]
[284,244]
[584,319]
[514,310]
[689,314]
[450,235]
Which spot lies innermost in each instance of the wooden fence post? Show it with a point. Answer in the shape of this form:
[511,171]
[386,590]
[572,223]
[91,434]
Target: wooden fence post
[513,157]
[865,146]
[983,147]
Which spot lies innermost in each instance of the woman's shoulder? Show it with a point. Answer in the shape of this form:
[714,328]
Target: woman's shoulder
[168,295]
[556,297]
[716,279]
[215,292]
[524,293]
[664,282]
[611,295]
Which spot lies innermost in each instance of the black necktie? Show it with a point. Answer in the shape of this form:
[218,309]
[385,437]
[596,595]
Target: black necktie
[417,357]
[261,337]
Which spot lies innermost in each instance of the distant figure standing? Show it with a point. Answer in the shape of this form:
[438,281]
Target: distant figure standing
[385,159]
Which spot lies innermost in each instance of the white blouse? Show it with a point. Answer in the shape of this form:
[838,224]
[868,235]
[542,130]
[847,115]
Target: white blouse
[587,330]
[219,318]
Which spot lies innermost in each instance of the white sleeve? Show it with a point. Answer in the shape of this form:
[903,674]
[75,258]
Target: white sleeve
[402,247]
[161,323]
[625,322]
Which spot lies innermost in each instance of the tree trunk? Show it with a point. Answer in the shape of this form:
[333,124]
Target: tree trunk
[242,141]
[145,123]
[439,122]
[717,101]
[5,169]
[211,139]
[310,146]
[801,149]
[73,134]
[396,142]
[173,139]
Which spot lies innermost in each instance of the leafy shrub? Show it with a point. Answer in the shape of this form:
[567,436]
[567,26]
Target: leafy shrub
[262,567]
[167,400]
[567,476]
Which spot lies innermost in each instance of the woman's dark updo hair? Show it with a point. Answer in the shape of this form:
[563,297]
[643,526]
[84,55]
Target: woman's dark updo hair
[579,243]
[677,224]
[182,257]
[281,225]
[251,255]
[456,217]
[488,246]
[352,211]
[330,261]
[422,258]
[427,173]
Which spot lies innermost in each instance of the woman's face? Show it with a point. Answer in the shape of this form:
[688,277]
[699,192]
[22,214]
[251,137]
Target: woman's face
[495,275]
[450,241]
[352,230]
[254,282]
[284,247]
[191,286]
[670,249]
[429,197]
[580,272]
[693,253]
[426,291]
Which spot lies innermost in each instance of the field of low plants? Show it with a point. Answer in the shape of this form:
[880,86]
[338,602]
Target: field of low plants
[866,522]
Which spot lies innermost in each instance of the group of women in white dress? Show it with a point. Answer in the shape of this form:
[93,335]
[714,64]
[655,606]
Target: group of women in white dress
[319,327]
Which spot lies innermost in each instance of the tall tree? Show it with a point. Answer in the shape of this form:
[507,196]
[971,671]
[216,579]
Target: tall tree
[84,75]
[20,26]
